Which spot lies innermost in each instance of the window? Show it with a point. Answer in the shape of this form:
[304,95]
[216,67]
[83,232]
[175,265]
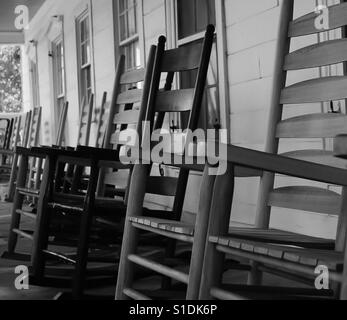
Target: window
[58,74]
[84,57]
[193,16]
[128,33]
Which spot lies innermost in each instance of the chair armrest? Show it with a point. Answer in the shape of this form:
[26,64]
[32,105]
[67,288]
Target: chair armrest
[283,165]
[85,153]
[28,152]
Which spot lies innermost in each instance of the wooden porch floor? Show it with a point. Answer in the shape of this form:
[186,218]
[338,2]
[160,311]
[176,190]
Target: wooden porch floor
[7,275]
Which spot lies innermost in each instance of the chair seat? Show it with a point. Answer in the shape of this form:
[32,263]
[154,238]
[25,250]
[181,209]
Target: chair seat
[312,258]
[164,224]
[281,237]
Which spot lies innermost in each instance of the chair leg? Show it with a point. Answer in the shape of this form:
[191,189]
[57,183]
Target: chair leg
[83,242]
[130,236]
[17,204]
[255,276]
[212,272]
[41,233]
[218,224]
[343,292]
[38,176]
[201,227]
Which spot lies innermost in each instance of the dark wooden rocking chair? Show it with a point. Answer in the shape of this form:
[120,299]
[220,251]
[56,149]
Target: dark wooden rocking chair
[27,186]
[22,136]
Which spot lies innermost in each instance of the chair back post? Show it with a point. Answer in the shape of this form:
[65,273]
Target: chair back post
[8,134]
[276,109]
[116,90]
[201,77]
[100,136]
[156,77]
[62,124]
[146,90]
[89,120]
[26,129]
[109,126]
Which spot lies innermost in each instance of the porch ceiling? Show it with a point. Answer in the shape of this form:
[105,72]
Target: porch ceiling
[8,32]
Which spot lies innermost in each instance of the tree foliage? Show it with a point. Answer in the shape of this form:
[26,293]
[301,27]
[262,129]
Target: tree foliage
[10,79]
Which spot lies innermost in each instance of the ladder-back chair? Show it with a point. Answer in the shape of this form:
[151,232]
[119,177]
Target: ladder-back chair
[20,137]
[6,131]
[138,218]
[26,187]
[262,242]
[11,140]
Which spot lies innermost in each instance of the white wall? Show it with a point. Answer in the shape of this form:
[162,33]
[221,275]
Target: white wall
[104,58]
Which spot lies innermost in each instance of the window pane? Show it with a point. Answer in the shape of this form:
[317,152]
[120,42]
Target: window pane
[86,22]
[194,16]
[212,12]
[186,21]
[82,31]
[201,15]
[123,27]
[122,5]
[209,116]
[132,22]
[85,53]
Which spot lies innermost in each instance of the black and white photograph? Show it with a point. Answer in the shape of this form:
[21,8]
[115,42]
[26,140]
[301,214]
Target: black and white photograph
[179,155]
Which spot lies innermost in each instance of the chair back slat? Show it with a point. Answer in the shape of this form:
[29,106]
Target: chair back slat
[181,59]
[130,96]
[133,76]
[316,90]
[127,117]
[306,24]
[320,125]
[175,100]
[317,55]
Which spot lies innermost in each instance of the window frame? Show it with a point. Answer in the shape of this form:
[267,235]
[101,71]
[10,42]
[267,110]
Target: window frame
[59,97]
[131,39]
[189,40]
[86,14]
[221,36]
